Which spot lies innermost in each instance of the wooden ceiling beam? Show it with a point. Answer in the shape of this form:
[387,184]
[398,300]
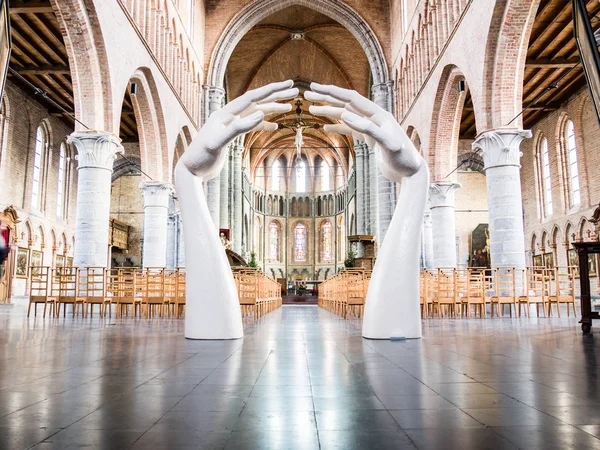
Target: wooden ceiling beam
[551,63]
[44,70]
[29,8]
[42,43]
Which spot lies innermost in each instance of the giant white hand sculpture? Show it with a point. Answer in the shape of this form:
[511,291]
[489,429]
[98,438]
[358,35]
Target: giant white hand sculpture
[213,307]
[392,305]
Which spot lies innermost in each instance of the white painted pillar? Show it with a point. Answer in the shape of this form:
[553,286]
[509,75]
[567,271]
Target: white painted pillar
[216,96]
[373,223]
[224,202]
[442,196]
[386,189]
[237,224]
[501,156]
[96,152]
[157,196]
[428,258]
[172,246]
[180,242]
[361,151]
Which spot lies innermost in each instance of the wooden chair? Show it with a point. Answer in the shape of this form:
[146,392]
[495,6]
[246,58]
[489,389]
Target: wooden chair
[68,291]
[180,293]
[248,293]
[91,287]
[563,290]
[355,301]
[445,299]
[126,290]
[40,290]
[152,289]
[505,291]
[170,283]
[475,294]
[534,291]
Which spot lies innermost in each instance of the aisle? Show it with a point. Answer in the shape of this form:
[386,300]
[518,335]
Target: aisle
[302,378]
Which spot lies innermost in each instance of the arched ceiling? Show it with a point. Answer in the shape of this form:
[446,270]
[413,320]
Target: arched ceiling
[304,45]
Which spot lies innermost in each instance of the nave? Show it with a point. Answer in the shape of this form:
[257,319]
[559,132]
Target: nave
[301,378]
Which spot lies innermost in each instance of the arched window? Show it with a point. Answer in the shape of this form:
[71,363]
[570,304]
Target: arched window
[38,163]
[545,179]
[274,241]
[325,185]
[572,169]
[301,177]
[275,175]
[326,242]
[300,240]
[60,193]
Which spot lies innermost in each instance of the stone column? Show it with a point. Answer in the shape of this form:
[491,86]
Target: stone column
[373,223]
[237,222]
[428,259]
[501,156]
[180,243]
[224,202]
[96,152]
[442,197]
[172,235]
[157,196]
[360,149]
[386,189]
[216,96]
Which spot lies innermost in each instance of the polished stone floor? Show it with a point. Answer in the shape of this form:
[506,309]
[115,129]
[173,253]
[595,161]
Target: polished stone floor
[302,378]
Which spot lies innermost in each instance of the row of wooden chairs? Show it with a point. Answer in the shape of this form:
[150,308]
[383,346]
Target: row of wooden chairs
[344,293]
[148,292]
[130,290]
[258,294]
[460,292]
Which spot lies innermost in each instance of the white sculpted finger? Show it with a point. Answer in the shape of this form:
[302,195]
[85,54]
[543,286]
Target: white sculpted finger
[244,124]
[288,94]
[321,98]
[327,111]
[360,104]
[262,93]
[363,125]
[340,128]
[266,126]
[268,108]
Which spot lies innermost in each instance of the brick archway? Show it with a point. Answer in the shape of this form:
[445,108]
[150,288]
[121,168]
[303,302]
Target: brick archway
[505,58]
[151,125]
[88,62]
[257,11]
[445,123]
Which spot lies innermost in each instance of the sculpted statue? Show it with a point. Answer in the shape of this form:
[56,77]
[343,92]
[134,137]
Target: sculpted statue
[212,304]
[392,306]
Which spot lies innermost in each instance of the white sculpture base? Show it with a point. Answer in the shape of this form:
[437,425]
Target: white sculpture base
[208,274]
[392,308]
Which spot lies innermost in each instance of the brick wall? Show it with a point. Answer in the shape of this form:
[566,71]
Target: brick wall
[39,230]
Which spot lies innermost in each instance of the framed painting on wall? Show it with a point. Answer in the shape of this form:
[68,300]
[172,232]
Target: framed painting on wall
[573,261]
[36,258]
[60,261]
[592,265]
[22,262]
[538,261]
[549,260]
[69,261]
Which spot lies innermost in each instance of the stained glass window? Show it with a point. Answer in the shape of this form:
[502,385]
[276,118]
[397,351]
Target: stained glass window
[326,242]
[325,176]
[547,179]
[300,243]
[301,177]
[38,160]
[572,165]
[274,241]
[275,174]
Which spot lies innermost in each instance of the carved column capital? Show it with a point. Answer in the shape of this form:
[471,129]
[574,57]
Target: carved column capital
[95,149]
[156,193]
[442,194]
[500,147]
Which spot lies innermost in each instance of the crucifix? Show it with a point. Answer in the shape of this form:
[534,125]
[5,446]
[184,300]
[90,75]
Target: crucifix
[299,126]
